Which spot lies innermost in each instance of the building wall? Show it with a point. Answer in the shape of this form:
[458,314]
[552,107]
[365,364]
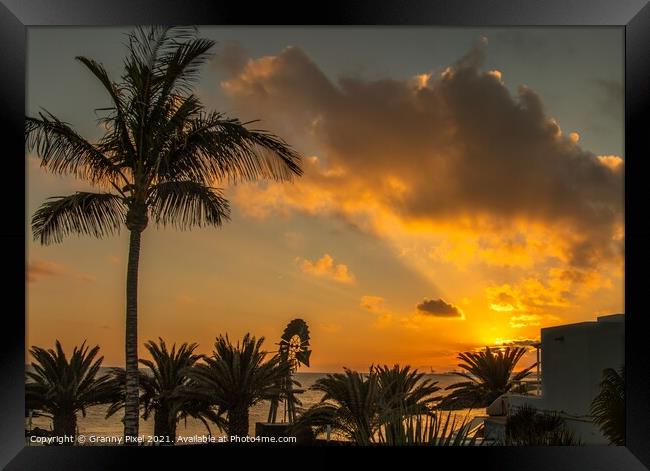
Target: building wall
[573,359]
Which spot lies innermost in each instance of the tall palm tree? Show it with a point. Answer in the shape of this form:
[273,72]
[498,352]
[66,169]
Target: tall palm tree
[164,387]
[158,159]
[235,378]
[608,407]
[60,388]
[489,374]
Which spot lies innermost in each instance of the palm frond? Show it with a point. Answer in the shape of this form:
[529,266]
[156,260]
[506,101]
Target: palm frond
[349,405]
[63,151]
[608,407]
[181,65]
[400,429]
[184,204]
[236,377]
[119,140]
[213,147]
[488,373]
[95,214]
[166,385]
[406,389]
[58,385]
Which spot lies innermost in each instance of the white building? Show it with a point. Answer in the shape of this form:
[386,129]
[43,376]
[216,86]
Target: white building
[573,358]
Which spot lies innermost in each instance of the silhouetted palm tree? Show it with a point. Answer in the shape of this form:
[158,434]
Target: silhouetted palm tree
[432,429]
[60,388]
[529,427]
[164,389]
[235,378]
[403,393]
[350,406]
[405,389]
[608,407]
[489,374]
[357,405]
[158,158]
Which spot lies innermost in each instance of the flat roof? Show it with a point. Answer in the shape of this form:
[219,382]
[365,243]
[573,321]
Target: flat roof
[611,318]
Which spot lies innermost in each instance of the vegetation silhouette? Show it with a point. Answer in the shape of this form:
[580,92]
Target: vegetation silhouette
[403,388]
[395,405]
[529,427]
[608,407]
[358,405]
[59,387]
[349,406]
[235,378]
[489,374]
[432,429]
[166,390]
[158,159]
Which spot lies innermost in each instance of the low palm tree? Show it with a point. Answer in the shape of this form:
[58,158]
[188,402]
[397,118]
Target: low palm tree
[405,389]
[235,378]
[61,388]
[158,160]
[358,405]
[529,427]
[432,429]
[608,407]
[403,394]
[350,406]
[164,389]
[489,374]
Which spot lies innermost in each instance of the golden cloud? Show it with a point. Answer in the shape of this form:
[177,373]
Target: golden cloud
[525,320]
[450,168]
[613,162]
[535,301]
[325,267]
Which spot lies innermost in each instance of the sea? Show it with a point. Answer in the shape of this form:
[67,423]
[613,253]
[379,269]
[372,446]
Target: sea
[96,424]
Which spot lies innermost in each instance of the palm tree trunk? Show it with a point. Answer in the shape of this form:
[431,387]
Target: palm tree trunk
[164,426]
[131,406]
[238,421]
[65,424]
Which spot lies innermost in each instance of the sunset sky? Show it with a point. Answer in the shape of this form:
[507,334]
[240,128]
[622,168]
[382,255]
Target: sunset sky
[462,188]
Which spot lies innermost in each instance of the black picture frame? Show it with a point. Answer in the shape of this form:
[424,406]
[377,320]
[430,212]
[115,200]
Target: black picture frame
[632,15]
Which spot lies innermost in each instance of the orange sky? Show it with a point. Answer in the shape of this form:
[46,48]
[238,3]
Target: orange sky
[438,213]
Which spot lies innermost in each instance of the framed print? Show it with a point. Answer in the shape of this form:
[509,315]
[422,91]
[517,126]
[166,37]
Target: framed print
[363,227]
